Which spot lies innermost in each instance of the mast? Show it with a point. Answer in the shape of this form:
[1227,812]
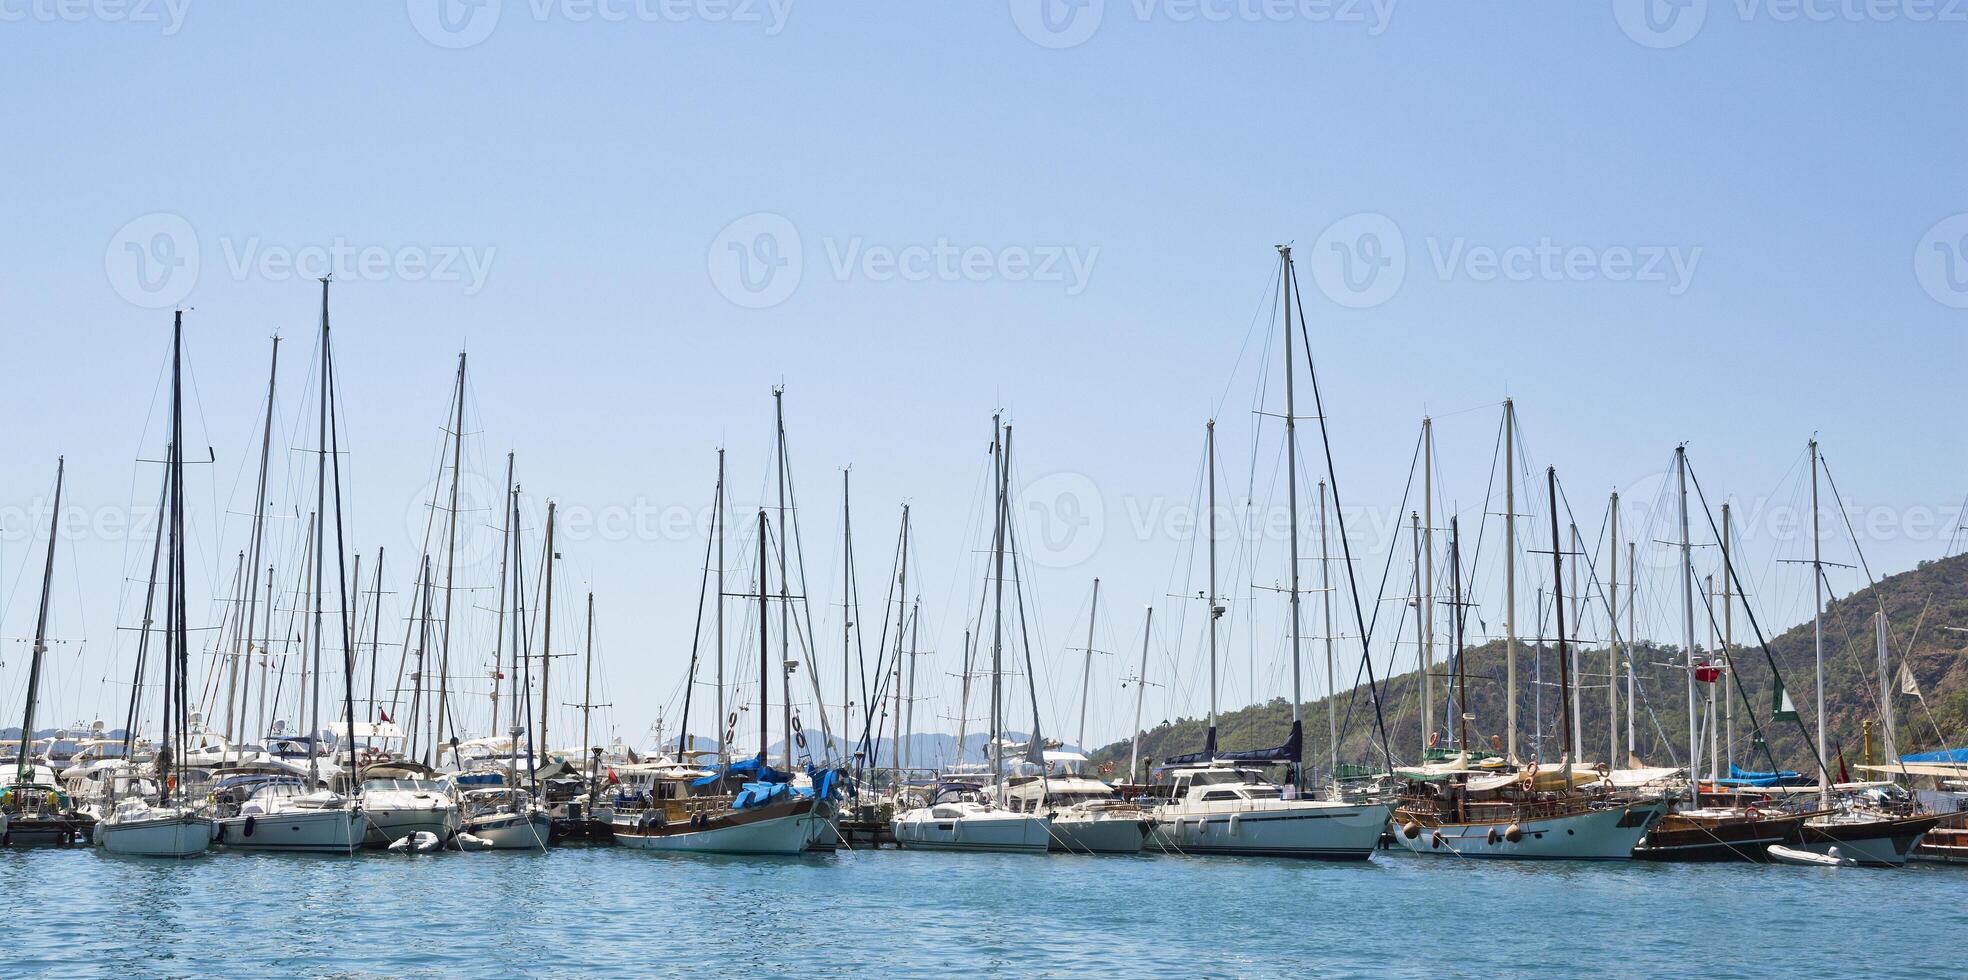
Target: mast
[901,613]
[1728,642]
[1332,670]
[765,652]
[376,637]
[1140,695]
[499,627]
[1578,621]
[177,640]
[847,621]
[546,635]
[341,550]
[1632,605]
[1510,576]
[257,535]
[997,613]
[1687,575]
[587,691]
[1427,578]
[1414,541]
[1817,633]
[1209,740]
[1086,670]
[909,701]
[725,725]
[1558,606]
[1886,688]
[785,594]
[26,766]
[1613,651]
[320,546]
[450,559]
[1291,495]
[1455,600]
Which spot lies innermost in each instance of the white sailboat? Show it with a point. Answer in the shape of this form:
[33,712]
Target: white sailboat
[169,824]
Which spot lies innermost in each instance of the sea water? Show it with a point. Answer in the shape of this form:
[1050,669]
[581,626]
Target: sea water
[584,911]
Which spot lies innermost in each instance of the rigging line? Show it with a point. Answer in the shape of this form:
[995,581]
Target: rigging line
[1407,490]
[1762,643]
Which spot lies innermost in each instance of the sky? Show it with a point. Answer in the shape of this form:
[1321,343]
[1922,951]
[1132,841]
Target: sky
[1725,224]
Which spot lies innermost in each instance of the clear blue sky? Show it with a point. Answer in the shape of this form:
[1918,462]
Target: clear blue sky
[1803,172]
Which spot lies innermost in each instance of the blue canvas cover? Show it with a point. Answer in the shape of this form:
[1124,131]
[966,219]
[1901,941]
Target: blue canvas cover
[1938,755]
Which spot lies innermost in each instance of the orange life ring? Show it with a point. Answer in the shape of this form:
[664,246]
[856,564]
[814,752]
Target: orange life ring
[1753,813]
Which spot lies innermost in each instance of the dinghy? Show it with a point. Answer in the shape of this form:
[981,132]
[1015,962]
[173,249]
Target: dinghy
[1832,858]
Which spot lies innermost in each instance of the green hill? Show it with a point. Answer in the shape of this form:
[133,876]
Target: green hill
[1918,603]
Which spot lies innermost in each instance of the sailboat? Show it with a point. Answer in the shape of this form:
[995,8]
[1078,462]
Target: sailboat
[172,824]
[1727,828]
[966,813]
[1567,812]
[746,807]
[1855,828]
[1222,802]
[282,812]
[34,811]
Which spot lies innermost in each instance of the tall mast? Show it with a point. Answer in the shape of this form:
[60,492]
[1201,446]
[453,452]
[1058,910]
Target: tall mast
[1209,738]
[1817,633]
[1578,621]
[901,615]
[499,624]
[765,651]
[1613,624]
[1086,669]
[847,621]
[1140,695]
[1728,642]
[1291,495]
[347,629]
[320,545]
[587,690]
[450,558]
[26,767]
[785,594]
[256,534]
[1885,688]
[997,613]
[717,519]
[1558,606]
[1632,617]
[1332,669]
[1427,577]
[1414,543]
[376,637]
[1455,600]
[546,635]
[177,646]
[909,699]
[1687,575]
[1510,576]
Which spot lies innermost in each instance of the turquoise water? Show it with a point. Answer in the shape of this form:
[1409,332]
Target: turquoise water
[583,911]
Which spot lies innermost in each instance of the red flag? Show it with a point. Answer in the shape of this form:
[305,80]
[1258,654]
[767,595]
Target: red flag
[385,715]
[1844,776]
[612,778]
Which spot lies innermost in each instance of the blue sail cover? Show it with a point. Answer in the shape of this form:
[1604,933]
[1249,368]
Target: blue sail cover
[756,769]
[1288,752]
[1939,755]
[760,794]
[1195,758]
[1739,776]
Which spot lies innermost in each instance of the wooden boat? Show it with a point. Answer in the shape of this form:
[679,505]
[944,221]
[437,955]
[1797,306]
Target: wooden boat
[1719,834]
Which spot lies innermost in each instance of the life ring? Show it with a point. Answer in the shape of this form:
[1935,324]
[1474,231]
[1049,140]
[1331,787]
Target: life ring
[1529,777]
[1753,813]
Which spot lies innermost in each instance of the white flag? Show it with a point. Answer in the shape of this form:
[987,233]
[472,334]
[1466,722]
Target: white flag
[1907,684]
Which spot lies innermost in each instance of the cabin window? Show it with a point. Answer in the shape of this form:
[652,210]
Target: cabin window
[1219,794]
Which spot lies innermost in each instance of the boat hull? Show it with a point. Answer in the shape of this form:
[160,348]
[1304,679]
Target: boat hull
[1109,835]
[1003,833]
[1590,835]
[1717,840]
[1882,843]
[782,828]
[327,831]
[45,831]
[513,831]
[1316,829]
[171,835]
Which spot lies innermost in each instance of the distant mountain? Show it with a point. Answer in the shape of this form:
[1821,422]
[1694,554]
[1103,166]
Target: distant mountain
[1920,604]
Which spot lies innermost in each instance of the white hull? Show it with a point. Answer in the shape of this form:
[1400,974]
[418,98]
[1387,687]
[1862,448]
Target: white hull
[1002,832]
[171,834]
[775,835]
[513,831]
[1280,828]
[1099,835]
[325,831]
[1595,835]
[388,824]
